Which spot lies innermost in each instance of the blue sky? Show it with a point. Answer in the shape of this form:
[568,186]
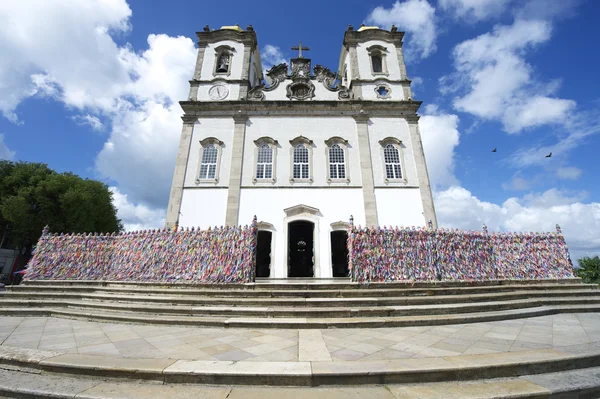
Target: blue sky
[92,87]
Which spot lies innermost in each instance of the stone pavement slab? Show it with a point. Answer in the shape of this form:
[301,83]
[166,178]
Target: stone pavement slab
[292,345]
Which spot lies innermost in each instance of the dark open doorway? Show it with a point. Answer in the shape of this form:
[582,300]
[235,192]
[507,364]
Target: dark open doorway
[300,249]
[339,253]
[263,254]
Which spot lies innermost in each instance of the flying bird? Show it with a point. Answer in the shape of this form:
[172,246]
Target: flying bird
[549,155]
[495,150]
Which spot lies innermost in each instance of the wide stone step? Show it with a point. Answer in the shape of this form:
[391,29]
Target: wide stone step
[294,293]
[578,383]
[149,310]
[295,302]
[308,373]
[300,322]
[302,284]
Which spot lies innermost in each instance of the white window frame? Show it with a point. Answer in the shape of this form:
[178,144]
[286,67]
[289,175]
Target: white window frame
[219,51]
[343,144]
[397,144]
[378,50]
[273,145]
[309,146]
[203,144]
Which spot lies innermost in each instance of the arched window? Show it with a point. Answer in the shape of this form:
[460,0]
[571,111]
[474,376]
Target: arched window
[208,167]
[377,63]
[378,54]
[336,155]
[337,164]
[264,162]
[393,169]
[301,162]
[210,154]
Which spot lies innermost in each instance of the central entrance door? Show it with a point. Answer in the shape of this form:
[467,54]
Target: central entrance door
[300,249]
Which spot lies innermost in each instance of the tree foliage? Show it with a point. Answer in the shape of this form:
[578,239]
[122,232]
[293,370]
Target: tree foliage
[589,269]
[33,195]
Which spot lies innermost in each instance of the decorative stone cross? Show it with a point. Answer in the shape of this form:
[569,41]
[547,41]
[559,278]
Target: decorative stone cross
[300,48]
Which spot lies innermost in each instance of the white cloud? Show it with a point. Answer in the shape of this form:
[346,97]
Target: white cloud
[141,150]
[459,208]
[517,183]
[536,111]
[136,217]
[66,50]
[474,9]
[494,82]
[5,152]
[90,120]
[568,173]
[440,136]
[417,18]
[271,55]
[63,42]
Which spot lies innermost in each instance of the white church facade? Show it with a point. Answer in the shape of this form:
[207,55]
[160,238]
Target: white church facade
[303,151]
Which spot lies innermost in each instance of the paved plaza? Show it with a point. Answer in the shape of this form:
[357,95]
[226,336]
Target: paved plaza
[194,343]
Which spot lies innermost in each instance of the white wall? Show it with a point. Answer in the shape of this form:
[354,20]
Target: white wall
[396,91]
[203,207]
[317,129]
[399,207]
[208,66]
[220,128]
[364,62]
[321,93]
[269,204]
[381,128]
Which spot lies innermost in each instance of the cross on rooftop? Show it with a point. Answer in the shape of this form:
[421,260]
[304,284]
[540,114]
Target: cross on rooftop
[300,48]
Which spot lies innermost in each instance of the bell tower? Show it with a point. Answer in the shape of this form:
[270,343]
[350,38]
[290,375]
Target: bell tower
[227,66]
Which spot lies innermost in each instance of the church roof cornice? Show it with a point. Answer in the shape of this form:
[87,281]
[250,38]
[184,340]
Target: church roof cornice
[406,109]
[246,37]
[353,37]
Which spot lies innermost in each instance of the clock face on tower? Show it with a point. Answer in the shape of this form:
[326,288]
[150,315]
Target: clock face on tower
[218,92]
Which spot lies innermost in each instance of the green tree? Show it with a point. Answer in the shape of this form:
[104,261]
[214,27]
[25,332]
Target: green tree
[33,195]
[589,269]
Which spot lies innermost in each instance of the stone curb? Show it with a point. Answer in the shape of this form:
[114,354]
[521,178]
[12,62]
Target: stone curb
[302,322]
[315,284]
[450,368]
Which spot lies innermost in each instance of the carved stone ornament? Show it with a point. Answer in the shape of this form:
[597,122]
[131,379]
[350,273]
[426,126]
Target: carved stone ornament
[300,68]
[345,94]
[276,74]
[325,76]
[300,90]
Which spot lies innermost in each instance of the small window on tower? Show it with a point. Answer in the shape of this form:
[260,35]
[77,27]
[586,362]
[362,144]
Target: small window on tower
[377,63]
[378,54]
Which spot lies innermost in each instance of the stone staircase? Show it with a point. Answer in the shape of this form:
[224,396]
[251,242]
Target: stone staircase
[332,303]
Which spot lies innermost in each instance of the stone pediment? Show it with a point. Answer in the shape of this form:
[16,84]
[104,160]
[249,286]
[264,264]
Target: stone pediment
[300,209]
[340,225]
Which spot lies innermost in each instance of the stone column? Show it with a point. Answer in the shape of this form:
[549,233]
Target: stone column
[199,63]
[235,171]
[183,154]
[245,84]
[366,169]
[401,64]
[193,95]
[356,87]
[422,174]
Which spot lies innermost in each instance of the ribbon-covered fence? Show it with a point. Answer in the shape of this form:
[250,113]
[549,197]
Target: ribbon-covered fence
[219,255]
[426,254]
